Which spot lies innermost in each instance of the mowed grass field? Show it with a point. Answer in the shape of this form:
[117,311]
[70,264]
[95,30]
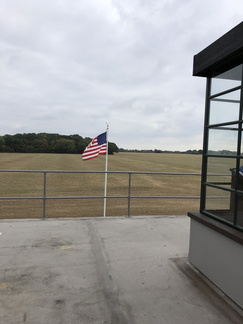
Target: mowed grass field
[74,184]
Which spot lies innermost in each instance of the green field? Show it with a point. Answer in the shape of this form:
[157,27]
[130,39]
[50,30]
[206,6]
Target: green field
[64,184]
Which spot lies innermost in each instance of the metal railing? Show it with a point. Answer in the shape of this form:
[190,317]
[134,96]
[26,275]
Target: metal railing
[129,196]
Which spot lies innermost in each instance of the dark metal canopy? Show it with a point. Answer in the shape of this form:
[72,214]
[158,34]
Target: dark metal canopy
[223,54]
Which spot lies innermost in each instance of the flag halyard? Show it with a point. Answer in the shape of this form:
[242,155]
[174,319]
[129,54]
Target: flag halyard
[96,147]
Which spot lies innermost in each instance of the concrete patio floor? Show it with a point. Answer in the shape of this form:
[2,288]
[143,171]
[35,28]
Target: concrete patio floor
[104,271]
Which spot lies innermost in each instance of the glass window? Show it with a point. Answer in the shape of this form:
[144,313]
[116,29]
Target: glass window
[227,80]
[219,171]
[220,203]
[241,146]
[222,111]
[222,194]
[223,140]
[230,96]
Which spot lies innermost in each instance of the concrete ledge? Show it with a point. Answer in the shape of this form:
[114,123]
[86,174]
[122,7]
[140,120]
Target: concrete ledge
[219,227]
[219,257]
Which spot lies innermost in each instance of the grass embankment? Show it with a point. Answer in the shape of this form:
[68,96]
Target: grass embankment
[31,184]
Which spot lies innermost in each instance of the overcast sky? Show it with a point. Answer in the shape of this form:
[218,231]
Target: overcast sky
[70,66]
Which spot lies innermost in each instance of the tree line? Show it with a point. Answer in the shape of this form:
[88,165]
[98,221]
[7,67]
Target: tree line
[47,143]
[161,151]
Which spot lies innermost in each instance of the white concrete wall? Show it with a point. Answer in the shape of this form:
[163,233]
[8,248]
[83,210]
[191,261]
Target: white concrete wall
[219,258]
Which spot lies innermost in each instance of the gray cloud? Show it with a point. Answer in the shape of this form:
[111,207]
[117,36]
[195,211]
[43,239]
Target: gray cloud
[71,66]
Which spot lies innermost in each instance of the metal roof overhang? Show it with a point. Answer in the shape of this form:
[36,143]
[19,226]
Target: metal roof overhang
[222,55]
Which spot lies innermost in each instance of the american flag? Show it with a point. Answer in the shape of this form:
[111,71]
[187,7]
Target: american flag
[96,146]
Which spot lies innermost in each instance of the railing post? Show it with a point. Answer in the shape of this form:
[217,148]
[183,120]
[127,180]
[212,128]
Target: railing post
[129,194]
[44,197]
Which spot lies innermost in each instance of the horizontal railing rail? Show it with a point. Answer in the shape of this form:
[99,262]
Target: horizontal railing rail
[45,197]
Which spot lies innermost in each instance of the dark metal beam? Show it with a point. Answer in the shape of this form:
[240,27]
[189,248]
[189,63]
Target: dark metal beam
[223,54]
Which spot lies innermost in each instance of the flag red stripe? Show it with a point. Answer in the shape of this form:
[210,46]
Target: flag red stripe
[93,150]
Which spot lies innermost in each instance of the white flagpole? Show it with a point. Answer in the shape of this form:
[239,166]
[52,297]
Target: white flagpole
[106,169]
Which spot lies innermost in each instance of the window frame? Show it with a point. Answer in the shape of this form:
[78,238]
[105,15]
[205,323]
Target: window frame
[237,157]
